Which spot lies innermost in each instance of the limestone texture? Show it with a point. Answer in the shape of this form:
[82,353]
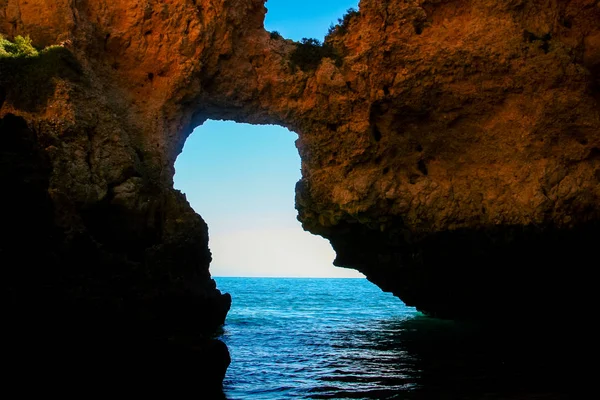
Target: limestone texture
[450,152]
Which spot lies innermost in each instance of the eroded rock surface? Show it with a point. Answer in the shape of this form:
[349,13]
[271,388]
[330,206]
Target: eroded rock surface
[450,149]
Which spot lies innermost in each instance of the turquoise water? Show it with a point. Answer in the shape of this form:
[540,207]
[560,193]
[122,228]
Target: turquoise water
[345,338]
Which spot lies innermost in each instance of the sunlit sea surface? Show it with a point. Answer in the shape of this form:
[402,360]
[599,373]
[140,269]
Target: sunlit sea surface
[345,338]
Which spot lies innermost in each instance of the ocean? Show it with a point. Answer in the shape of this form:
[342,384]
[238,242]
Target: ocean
[346,339]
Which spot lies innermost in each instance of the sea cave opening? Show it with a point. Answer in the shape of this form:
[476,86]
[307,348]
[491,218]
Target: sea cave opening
[240,178]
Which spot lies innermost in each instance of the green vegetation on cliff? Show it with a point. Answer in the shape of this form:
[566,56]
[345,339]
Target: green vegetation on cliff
[20,48]
[343,23]
[27,74]
[309,52]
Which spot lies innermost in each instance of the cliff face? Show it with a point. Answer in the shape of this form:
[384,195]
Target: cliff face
[458,163]
[102,259]
[450,149]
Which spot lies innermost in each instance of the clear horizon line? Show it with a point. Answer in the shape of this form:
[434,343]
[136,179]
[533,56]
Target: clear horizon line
[288,277]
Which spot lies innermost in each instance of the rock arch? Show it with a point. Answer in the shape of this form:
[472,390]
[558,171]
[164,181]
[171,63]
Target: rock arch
[450,164]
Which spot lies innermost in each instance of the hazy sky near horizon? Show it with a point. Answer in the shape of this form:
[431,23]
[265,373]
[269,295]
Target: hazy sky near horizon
[241,178]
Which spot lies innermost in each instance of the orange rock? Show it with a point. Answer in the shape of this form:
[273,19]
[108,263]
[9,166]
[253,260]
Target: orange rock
[468,130]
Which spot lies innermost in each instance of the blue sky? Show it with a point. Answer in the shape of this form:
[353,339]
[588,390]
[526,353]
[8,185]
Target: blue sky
[241,177]
[310,18]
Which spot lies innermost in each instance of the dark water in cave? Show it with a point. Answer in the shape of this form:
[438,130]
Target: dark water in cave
[344,338]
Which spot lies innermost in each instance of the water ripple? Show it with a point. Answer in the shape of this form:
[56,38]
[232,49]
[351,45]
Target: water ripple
[344,338]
